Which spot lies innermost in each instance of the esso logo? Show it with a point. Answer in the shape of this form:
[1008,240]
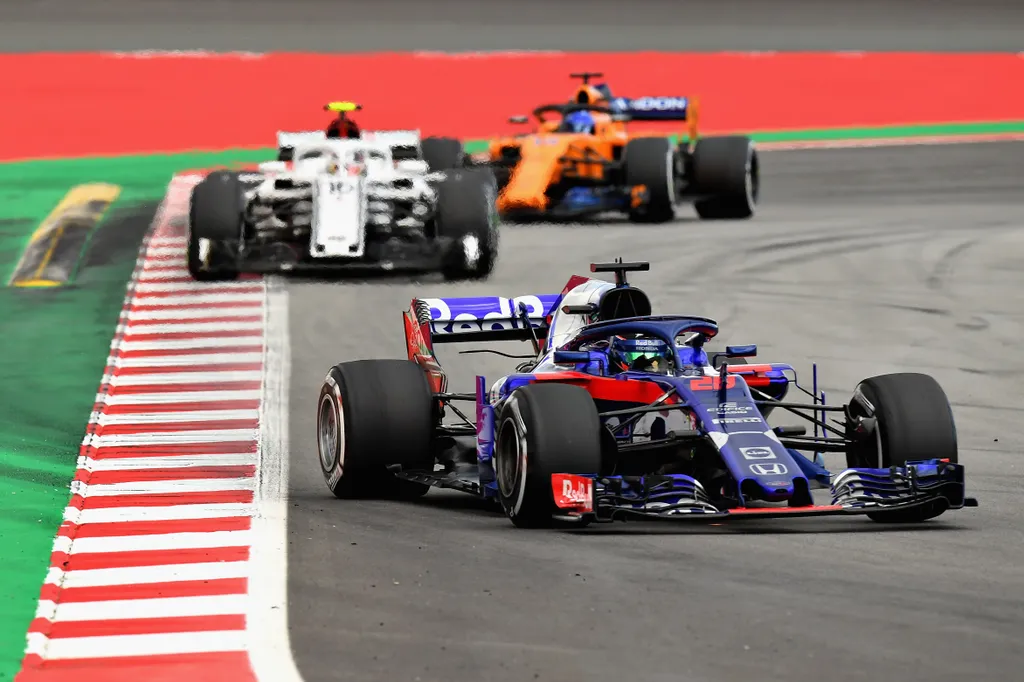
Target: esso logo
[659,104]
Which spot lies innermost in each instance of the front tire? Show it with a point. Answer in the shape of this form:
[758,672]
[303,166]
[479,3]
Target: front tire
[215,220]
[914,421]
[373,414]
[543,429]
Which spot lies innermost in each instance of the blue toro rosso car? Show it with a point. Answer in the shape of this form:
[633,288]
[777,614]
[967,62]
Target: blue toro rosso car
[618,413]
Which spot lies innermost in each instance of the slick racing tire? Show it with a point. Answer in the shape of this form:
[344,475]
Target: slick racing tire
[442,153]
[371,415]
[914,422]
[215,215]
[655,164]
[467,219]
[543,429]
[726,171]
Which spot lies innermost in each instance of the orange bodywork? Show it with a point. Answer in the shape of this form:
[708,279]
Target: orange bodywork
[546,156]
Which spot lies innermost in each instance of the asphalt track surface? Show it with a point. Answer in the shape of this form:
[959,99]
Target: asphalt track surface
[599,25]
[866,261]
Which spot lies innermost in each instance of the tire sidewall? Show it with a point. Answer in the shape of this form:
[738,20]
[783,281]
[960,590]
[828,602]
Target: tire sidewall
[512,429]
[331,404]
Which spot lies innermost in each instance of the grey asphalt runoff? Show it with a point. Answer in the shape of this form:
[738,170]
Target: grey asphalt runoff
[598,25]
[865,261]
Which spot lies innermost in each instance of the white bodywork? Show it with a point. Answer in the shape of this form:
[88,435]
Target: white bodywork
[337,188]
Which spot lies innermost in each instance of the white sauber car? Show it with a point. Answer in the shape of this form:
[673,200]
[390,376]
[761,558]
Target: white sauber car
[349,203]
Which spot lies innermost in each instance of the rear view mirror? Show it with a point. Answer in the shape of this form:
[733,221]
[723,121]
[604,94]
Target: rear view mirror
[748,351]
[518,119]
[571,357]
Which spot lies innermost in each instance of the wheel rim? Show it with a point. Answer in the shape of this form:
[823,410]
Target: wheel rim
[752,178]
[329,433]
[509,457]
[471,252]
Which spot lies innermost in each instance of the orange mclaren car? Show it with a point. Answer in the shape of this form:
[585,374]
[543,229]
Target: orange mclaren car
[583,159]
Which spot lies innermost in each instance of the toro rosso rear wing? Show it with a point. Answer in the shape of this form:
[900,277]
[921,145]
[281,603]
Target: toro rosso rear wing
[482,318]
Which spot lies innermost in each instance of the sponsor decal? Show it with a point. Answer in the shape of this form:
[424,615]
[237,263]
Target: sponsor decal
[652,104]
[757,453]
[773,469]
[737,420]
[485,313]
[711,383]
[733,408]
[573,492]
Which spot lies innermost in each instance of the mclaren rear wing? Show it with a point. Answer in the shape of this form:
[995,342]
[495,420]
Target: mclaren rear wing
[655,108]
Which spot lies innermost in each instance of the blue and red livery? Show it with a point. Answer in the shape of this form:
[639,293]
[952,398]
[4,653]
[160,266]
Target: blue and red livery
[621,413]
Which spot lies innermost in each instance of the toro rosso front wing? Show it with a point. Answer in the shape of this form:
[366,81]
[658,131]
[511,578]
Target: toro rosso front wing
[930,485]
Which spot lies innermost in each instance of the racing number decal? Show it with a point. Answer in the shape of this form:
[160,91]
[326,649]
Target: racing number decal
[711,383]
[338,187]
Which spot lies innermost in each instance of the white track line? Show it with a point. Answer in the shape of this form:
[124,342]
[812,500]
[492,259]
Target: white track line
[105,419]
[270,652]
[147,575]
[170,513]
[218,605]
[185,360]
[163,541]
[137,645]
[176,397]
[193,485]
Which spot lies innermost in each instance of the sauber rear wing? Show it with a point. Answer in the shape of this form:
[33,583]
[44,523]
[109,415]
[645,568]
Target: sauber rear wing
[483,318]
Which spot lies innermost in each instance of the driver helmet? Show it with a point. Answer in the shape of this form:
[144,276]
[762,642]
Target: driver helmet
[643,354]
[580,122]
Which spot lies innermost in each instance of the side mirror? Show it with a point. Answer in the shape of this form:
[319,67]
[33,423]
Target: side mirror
[518,119]
[748,351]
[571,357]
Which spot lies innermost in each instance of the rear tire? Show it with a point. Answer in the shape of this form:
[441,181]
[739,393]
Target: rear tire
[543,429]
[215,215]
[654,163]
[914,422]
[727,171]
[373,414]
[467,217]
[442,153]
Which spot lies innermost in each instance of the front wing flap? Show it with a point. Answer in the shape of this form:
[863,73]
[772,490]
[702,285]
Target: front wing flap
[677,496]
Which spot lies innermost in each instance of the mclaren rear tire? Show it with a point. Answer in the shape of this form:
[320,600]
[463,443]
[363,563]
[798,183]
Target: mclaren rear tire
[467,219]
[727,173]
[654,163]
[371,415]
[215,227]
[543,429]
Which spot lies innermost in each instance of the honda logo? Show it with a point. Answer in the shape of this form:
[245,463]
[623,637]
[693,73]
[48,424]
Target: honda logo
[769,469]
